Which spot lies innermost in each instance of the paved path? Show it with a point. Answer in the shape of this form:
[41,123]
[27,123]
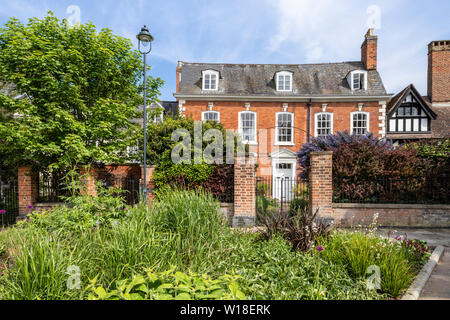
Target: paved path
[438,286]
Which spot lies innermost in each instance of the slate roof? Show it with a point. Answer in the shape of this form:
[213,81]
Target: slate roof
[258,79]
[440,127]
[170,107]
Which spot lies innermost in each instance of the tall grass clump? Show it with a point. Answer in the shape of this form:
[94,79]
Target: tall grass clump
[195,217]
[358,250]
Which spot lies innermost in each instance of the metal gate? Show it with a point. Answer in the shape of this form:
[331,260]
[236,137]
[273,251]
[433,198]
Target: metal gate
[9,203]
[280,194]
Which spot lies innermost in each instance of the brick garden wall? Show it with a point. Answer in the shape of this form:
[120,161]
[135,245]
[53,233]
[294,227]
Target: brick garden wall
[28,189]
[392,215]
[355,214]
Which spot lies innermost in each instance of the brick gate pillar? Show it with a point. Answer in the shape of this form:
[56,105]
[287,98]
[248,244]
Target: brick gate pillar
[27,189]
[88,178]
[321,183]
[150,184]
[244,192]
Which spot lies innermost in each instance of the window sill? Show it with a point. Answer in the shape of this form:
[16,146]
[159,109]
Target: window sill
[288,144]
[409,132]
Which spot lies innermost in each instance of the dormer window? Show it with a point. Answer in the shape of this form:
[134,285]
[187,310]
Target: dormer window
[284,81]
[357,80]
[210,80]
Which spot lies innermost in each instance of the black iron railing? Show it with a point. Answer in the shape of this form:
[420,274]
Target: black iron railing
[9,203]
[280,192]
[51,187]
[129,188]
[411,190]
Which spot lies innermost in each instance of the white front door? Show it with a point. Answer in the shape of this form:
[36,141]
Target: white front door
[283,180]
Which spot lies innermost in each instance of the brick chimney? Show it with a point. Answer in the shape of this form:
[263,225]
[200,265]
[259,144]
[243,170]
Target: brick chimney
[439,71]
[369,51]
[179,67]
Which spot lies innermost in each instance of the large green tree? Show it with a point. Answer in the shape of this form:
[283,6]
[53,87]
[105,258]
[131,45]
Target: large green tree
[75,90]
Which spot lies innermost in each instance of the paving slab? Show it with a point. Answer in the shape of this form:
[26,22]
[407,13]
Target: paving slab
[438,286]
[434,237]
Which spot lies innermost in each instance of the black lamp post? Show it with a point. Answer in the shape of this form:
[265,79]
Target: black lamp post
[145,46]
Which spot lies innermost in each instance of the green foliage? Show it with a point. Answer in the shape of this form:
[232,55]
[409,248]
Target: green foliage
[195,217]
[299,204]
[81,213]
[79,88]
[184,175]
[160,136]
[171,285]
[434,150]
[272,271]
[358,250]
[265,205]
[179,248]
[190,176]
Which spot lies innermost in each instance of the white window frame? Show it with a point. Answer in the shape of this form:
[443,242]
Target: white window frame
[240,130]
[367,114]
[316,129]
[210,73]
[161,115]
[351,77]
[156,106]
[284,74]
[210,111]
[284,143]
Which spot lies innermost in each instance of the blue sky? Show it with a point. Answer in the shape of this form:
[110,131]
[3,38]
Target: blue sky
[266,31]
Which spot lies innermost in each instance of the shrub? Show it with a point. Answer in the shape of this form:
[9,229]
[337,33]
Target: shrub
[216,178]
[180,175]
[171,285]
[302,230]
[437,150]
[298,204]
[83,212]
[334,142]
[358,250]
[367,169]
[417,250]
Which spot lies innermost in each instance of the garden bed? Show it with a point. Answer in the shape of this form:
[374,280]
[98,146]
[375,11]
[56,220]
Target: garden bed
[181,248]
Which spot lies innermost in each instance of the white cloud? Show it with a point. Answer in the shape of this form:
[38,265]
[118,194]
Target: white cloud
[332,31]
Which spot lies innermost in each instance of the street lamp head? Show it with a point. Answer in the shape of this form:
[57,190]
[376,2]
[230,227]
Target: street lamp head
[145,40]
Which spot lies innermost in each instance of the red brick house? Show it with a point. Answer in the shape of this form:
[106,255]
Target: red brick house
[277,108]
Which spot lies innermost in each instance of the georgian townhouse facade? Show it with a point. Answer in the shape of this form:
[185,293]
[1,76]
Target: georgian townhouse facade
[277,108]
